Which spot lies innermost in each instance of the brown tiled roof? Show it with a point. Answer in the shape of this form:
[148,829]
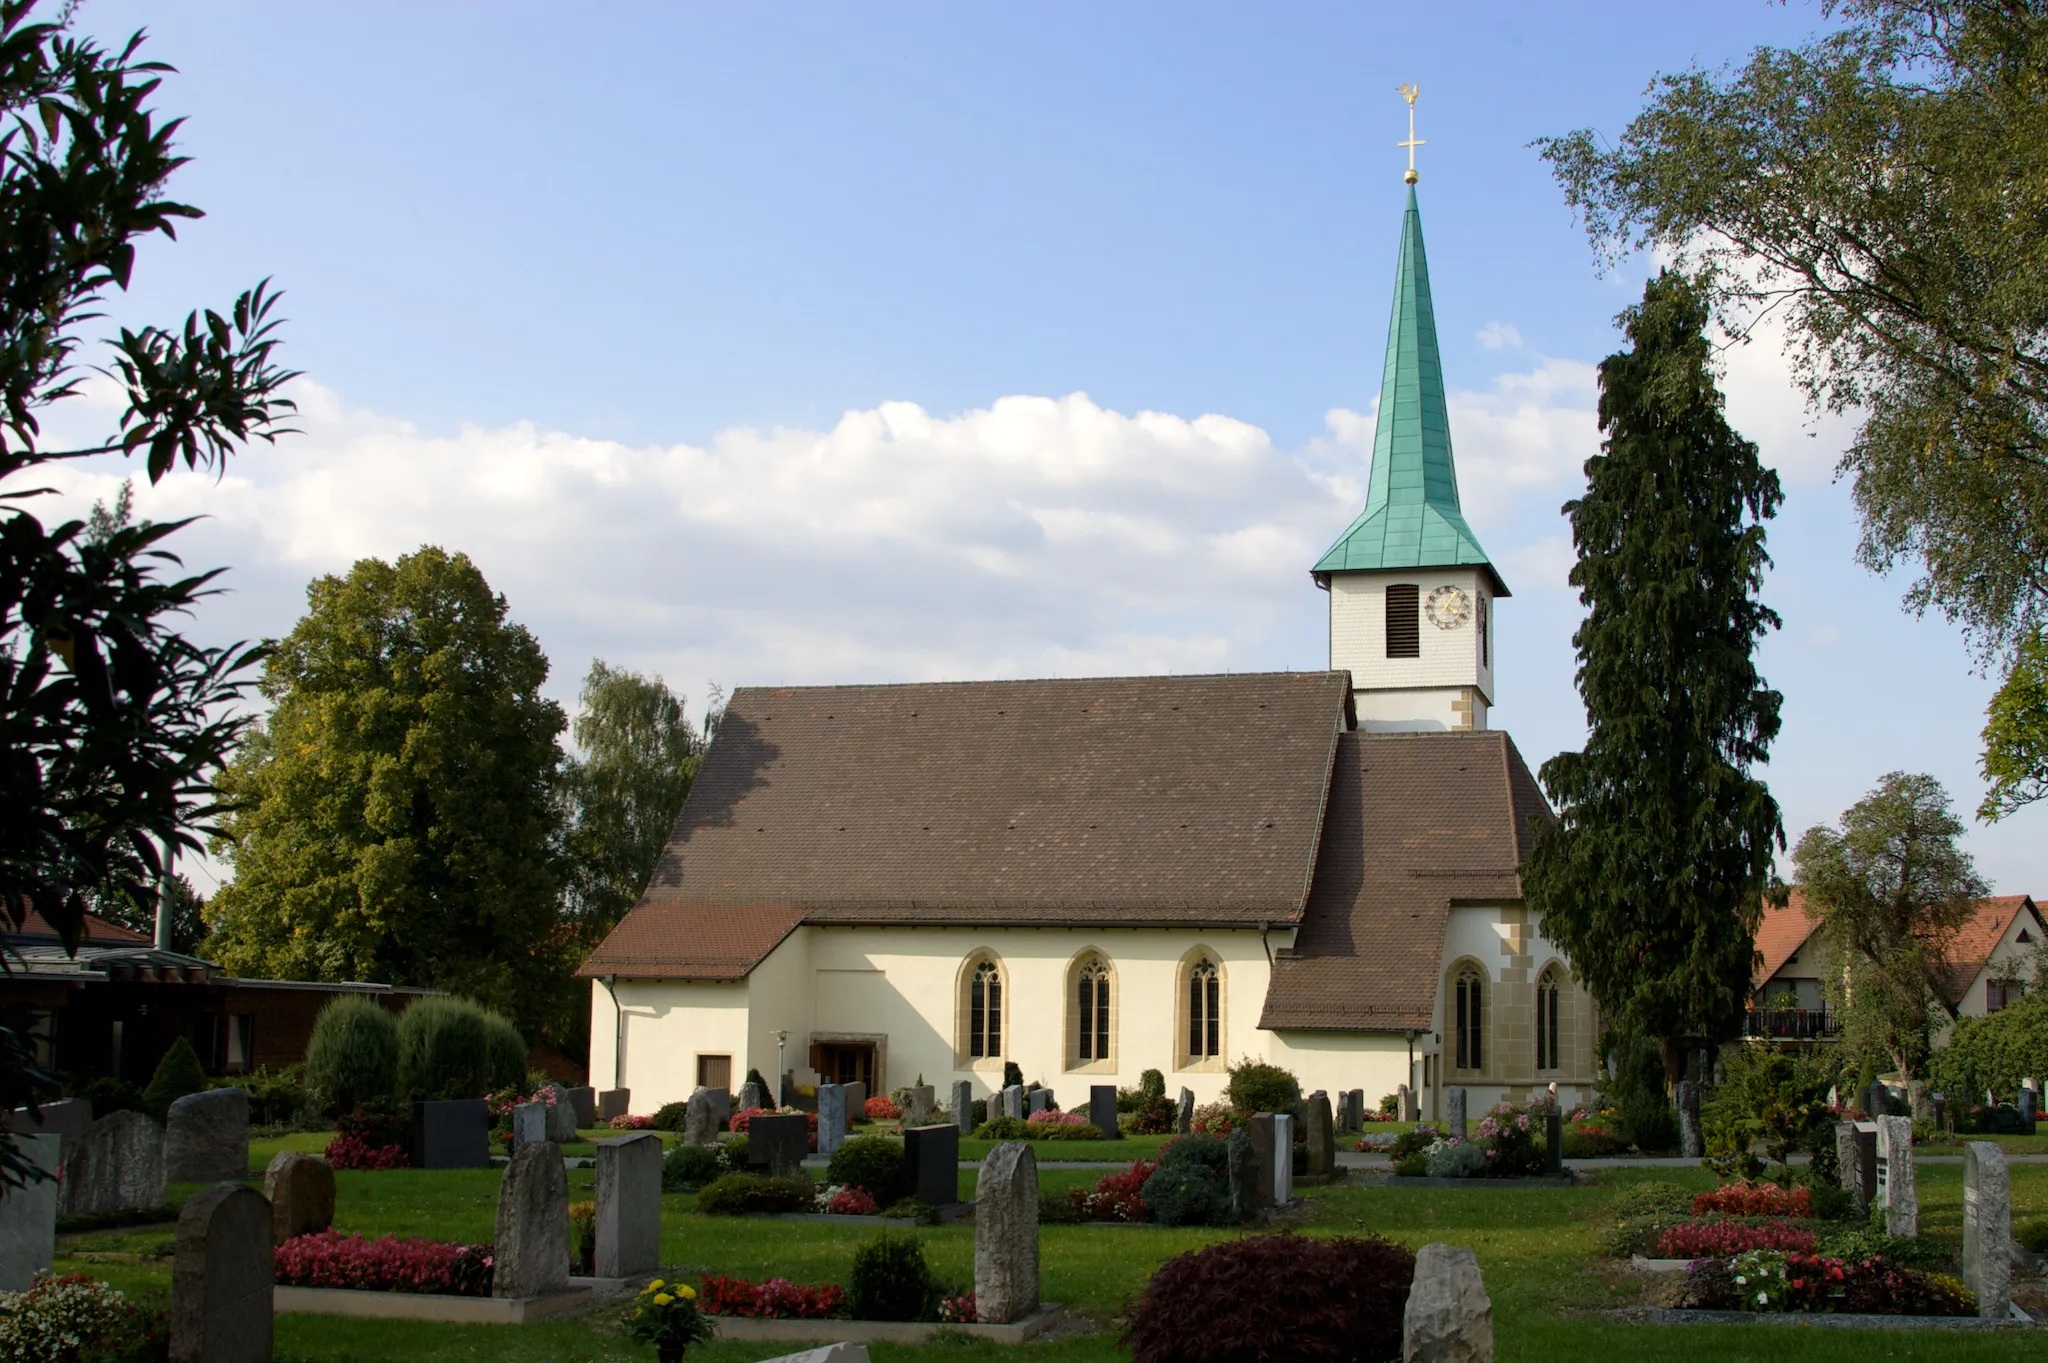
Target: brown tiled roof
[1970,951]
[1417,822]
[98,931]
[1127,800]
[1780,934]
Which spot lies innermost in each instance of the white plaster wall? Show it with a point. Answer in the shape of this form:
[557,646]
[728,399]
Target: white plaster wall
[668,1024]
[1409,711]
[1807,975]
[779,999]
[2010,959]
[1450,658]
[1377,1062]
[1507,943]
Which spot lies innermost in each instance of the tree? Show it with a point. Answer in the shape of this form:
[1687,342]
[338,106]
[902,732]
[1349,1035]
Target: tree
[1652,880]
[188,913]
[110,720]
[2016,733]
[620,798]
[1890,889]
[1879,189]
[394,816]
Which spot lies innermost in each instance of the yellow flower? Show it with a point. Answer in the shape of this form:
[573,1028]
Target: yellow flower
[656,1285]
[662,1299]
[687,1293]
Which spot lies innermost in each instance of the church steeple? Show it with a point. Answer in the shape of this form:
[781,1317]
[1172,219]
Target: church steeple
[1412,518]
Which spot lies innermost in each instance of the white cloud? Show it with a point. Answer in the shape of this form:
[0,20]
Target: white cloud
[1494,335]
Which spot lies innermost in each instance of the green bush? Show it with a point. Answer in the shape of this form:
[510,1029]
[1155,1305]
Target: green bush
[1256,1086]
[1653,1197]
[1414,1141]
[671,1116]
[689,1166]
[1187,1194]
[1061,1131]
[874,1163]
[891,1280]
[1770,1096]
[1210,1152]
[352,1058]
[179,1073]
[736,1150]
[2032,1236]
[739,1194]
[279,1099]
[109,1095]
[1057,1209]
[1995,1052]
[1003,1129]
[1012,1076]
[452,1048]
[1152,1084]
[1867,1242]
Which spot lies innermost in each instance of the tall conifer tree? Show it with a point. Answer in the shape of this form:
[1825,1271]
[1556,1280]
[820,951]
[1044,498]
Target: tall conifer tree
[1653,878]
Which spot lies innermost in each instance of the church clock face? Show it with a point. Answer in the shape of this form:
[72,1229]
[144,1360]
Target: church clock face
[1448,607]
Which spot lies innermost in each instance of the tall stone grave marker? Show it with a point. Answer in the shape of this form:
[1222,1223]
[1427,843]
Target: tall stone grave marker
[963,1106]
[221,1277]
[583,1102]
[206,1137]
[300,1190]
[628,1205]
[1260,1130]
[1242,1165]
[1553,1142]
[28,1215]
[700,1119]
[1455,1120]
[753,1096]
[614,1103]
[933,1154]
[1357,1097]
[1897,1187]
[924,1101]
[1006,1234]
[561,1115]
[116,1166]
[1987,1228]
[1691,1136]
[1322,1138]
[1013,1101]
[1410,1110]
[779,1143]
[1283,1158]
[1449,1318]
[529,1124]
[1102,1110]
[856,1100]
[454,1133]
[532,1242]
[1184,1113]
[831,1118]
[1036,1101]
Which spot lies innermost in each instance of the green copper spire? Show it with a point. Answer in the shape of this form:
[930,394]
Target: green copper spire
[1411,517]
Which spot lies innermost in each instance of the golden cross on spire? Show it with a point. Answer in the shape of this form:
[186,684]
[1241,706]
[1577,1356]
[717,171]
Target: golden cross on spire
[1409,93]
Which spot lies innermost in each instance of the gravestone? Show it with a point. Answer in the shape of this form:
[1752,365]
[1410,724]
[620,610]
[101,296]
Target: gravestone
[924,1101]
[856,1100]
[1283,1158]
[1357,1097]
[1013,1102]
[66,1119]
[28,1215]
[831,1118]
[1006,1234]
[963,1106]
[529,1123]
[1987,1228]
[1940,1105]
[1692,1143]
[1553,1143]
[1849,1165]
[221,1275]
[700,1119]
[629,1205]
[583,1102]
[1322,1138]
[451,1133]
[2030,1111]
[1102,1110]
[753,1096]
[1037,1101]
[614,1103]
[116,1166]
[1243,1166]
[779,1143]
[1409,1111]
[1448,1318]
[721,1108]
[1874,1100]
[1897,1186]
[300,1189]
[531,1246]
[1919,1100]
[1184,1113]
[206,1137]
[561,1115]
[1455,1121]
[933,1156]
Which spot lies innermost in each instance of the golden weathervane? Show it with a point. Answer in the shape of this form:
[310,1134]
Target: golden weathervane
[1409,92]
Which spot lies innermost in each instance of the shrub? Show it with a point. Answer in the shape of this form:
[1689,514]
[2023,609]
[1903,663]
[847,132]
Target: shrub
[1415,1140]
[1454,1159]
[891,1280]
[1512,1138]
[1040,1130]
[1754,1199]
[179,1073]
[689,1166]
[1653,1197]
[1057,1209]
[1723,1239]
[73,1319]
[882,1109]
[1153,1117]
[109,1095]
[1995,1052]
[352,1058]
[1213,1119]
[1152,1083]
[1127,1100]
[671,1116]
[1767,1280]
[452,1048]
[1329,1300]
[355,1152]
[734,1151]
[1256,1086]
[1865,1242]
[1591,1140]
[505,1051]
[1210,1152]
[1012,1076]
[1187,1193]
[628,1122]
[778,1299]
[875,1163]
[334,1259]
[2032,1237]
[583,1237]
[847,1202]
[1003,1129]
[1116,1197]
[1772,1097]
[739,1194]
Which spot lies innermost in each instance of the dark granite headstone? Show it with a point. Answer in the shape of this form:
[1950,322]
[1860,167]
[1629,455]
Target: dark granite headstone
[778,1143]
[614,1103]
[1260,1129]
[1038,1101]
[856,1102]
[222,1271]
[933,1154]
[1244,1165]
[584,1101]
[1553,1143]
[1102,1110]
[451,1134]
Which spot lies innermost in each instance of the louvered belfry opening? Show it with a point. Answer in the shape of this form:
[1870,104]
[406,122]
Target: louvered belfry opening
[1404,620]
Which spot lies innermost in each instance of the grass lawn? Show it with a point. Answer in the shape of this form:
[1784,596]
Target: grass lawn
[1537,1246]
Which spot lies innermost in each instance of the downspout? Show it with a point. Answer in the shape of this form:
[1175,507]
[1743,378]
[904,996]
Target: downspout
[1264,928]
[618,1032]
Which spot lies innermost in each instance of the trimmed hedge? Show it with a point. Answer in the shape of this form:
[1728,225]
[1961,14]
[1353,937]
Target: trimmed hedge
[452,1048]
[1187,1194]
[739,1194]
[178,1074]
[352,1059]
[689,1166]
[873,1163]
[891,1280]
[1995,1052]
[1256,1086]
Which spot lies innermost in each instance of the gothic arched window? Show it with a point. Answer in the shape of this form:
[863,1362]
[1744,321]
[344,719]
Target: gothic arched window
[985,1011]
[1547,994]
[1471,1019]
[1205,1010]
[1093,985]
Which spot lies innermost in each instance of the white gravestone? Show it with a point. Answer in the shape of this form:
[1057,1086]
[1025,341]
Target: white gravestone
[1283,1159]
[1897,1189]
[28,1215]
[1987,1228]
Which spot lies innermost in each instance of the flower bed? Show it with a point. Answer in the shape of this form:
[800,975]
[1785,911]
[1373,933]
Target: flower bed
[777,1298]
[843,1201]
[58,1320]
[352,1151]
[1118,1197]
[390,1264]
[880,1108]
[1745,1198]
[1767,1280]
[958,1310]
[629,1122]
[1725,1239]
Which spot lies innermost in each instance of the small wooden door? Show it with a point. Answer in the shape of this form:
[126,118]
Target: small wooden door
[847,1062]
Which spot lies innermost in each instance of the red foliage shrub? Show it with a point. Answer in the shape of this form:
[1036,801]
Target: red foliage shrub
[880,1107]
[1724,1239]
[354,1152]
[852,1202]
[1744,1198]
[630,1122]
[1315,1300]
[778,1298]
[1118,1197]
[332,1259]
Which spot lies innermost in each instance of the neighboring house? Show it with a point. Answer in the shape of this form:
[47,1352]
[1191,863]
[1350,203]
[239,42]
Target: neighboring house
[1097,877]
[1994,957]
[116,1006]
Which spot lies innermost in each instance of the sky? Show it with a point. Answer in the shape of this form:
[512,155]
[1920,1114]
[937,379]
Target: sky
[768,343]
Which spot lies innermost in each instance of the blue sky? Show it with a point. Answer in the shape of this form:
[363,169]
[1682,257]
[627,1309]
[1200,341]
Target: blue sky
[749,342]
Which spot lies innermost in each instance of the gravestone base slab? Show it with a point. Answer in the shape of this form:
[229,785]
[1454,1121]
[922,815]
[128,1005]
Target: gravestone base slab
[754,1329]
[343,1301]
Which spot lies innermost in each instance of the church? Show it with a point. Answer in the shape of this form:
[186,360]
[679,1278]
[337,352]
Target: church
[1095,877]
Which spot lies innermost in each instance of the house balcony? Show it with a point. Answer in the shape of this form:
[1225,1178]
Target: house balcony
[1792,1024]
